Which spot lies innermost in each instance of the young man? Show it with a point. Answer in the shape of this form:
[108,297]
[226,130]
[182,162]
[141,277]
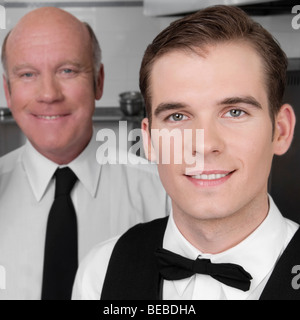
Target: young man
[219,71]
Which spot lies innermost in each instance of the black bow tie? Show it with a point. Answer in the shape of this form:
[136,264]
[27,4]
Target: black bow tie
[175,267]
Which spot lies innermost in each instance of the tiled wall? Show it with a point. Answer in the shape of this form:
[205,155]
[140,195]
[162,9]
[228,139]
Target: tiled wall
[124,32]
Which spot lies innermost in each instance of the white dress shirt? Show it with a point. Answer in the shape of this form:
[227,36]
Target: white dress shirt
[257,254]
[108,199]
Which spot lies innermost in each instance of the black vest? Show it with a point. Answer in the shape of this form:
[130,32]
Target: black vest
[133,274]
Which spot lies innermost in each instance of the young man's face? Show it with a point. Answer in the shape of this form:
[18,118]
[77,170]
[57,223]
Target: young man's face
[224,93]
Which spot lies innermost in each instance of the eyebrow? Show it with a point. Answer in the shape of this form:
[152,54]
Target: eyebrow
[242,100]
[70,62]
[22,66]
[29,66]
[163,107]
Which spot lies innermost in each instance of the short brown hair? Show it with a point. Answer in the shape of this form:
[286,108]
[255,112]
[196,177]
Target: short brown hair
[216,25]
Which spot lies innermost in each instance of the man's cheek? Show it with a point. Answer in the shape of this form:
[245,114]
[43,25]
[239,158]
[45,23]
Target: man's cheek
[176,146]
[170,179]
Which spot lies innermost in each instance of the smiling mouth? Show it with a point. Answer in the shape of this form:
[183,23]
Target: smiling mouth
[210,176]
[210,179]
[49,118]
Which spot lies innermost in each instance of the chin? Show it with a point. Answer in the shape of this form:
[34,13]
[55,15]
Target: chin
[208,210]
[50,146]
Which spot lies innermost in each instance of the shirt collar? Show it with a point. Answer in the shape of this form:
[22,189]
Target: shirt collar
[86,167]
[257,254]
[40,170]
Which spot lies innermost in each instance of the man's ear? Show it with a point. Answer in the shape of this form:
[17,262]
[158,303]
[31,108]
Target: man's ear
[99,83]
[285,122]
[7,89]
[147,142]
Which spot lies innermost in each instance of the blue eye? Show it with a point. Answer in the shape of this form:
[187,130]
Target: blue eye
[67,71]
[235,113]
[27,75]
[176,117]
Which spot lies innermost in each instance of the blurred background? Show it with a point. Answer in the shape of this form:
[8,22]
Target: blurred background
[125,28]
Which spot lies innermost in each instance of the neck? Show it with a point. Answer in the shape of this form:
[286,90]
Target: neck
[219,235]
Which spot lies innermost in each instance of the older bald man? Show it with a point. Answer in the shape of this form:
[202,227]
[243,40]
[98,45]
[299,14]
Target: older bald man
[56,201]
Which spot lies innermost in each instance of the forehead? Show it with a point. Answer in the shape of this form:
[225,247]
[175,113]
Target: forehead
[30,42]
[229,69]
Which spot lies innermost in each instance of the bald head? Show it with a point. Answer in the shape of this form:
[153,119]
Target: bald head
[42,25]
[48,17]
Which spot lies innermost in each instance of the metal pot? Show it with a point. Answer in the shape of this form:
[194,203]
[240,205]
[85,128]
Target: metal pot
[131,103]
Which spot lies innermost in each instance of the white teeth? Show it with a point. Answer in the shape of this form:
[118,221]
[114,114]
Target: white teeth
[49,117]
[210,176]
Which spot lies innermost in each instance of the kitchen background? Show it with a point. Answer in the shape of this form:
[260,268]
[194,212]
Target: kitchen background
[124,32]
[124,29]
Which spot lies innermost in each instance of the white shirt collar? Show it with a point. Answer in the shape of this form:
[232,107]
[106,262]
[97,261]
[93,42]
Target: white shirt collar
[40,170]
[86,167]
[257,254]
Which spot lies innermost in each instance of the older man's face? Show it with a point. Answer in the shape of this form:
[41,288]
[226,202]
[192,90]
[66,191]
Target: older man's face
[52,90]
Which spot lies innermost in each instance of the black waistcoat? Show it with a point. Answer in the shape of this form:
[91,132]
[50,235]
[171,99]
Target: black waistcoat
[133,274]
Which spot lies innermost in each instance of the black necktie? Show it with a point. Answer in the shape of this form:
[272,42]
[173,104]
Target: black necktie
[61,248]
[175,267]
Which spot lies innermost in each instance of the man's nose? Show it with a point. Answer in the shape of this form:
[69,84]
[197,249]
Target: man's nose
[213,141]
[49,90]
